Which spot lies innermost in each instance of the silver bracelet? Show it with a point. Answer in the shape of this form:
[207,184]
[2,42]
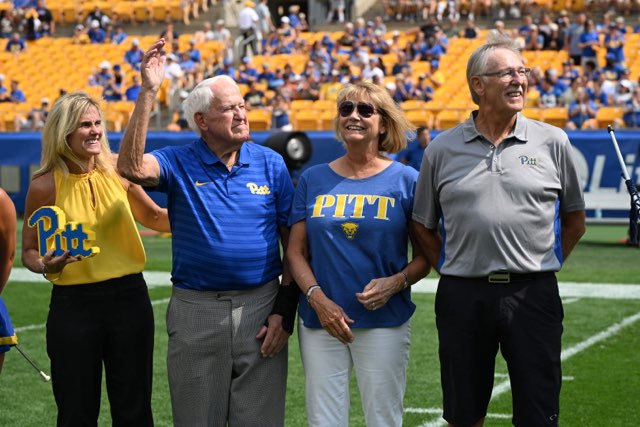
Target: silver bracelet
[310,291]
[406,280]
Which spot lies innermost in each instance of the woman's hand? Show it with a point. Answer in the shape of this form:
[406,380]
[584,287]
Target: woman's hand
[378,291]
[55,264]
[332,317]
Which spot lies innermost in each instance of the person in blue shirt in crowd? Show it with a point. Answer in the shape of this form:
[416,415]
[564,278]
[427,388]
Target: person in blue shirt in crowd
[133,56]
[194,54]
[16,94]
[247,73]
[412,155]
[16,44]
[348,253]
[229,319]
[132,92]
[96,33]
[631,110]
[582,112]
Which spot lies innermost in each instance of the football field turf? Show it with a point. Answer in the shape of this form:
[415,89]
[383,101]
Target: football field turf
[601,366]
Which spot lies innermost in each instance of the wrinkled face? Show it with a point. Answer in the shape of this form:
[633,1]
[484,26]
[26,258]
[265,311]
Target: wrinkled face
[226,119]
[355,127]
[503,94]
[84,141]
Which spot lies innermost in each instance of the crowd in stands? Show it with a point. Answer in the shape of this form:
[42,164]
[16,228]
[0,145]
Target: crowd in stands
[596,72]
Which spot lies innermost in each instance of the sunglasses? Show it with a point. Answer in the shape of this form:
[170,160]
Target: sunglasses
[364,109]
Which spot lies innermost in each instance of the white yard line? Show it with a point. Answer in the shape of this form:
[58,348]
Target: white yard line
[567,289]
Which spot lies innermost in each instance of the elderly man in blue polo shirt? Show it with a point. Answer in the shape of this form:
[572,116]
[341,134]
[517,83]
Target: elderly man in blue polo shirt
[229,201]
[505,191]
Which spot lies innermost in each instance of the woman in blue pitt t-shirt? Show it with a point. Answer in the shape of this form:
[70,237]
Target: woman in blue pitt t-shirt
[348,253]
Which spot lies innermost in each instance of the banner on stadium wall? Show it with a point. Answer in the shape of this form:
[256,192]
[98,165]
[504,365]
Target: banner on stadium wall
[605,192]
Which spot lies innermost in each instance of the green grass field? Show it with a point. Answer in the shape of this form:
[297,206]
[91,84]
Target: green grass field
[600,356]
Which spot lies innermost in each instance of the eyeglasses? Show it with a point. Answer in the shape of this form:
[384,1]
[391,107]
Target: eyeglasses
[509,74]
[365,110]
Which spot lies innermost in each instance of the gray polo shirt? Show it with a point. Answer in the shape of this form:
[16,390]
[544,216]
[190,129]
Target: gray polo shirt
[499,207]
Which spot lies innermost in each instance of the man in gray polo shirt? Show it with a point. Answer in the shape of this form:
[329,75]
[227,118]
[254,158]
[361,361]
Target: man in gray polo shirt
[506,195]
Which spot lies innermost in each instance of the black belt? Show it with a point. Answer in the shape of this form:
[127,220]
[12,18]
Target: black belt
[506,277]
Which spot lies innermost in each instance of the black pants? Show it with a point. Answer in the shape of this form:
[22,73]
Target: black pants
[108,322]
[246,35]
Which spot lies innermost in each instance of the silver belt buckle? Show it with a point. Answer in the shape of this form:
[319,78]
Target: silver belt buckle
[499,277]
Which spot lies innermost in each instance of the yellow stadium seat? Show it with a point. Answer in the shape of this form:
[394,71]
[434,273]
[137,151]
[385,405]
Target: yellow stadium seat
[327,119]
[301,104]
[420,117]
[447,119]
[533,113]
[556,116]
[306,120]
[323,105]
[259,119]
[412,104]
[609,116]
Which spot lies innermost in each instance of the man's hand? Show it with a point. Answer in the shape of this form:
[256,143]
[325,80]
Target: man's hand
[152,66]
[275,337]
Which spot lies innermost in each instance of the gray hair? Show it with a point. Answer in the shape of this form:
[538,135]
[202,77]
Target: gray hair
[200,99]
[479,59]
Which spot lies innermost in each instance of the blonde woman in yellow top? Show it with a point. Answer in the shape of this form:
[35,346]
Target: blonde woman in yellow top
[100,312]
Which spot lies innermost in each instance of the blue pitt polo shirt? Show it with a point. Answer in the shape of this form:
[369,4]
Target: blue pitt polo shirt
[224,223]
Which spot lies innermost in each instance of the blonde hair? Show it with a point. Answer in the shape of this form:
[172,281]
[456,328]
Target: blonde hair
[62,121]
[398,128]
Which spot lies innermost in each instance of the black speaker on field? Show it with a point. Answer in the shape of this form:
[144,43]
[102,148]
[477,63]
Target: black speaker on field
[294,147]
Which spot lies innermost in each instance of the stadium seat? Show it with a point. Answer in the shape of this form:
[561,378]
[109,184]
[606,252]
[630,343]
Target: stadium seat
[323,105]
[301,104]
[556,116]
[327,119]
[533,113]
[306,120]
[609,116]
[259,119]
[412,104]
[447,119]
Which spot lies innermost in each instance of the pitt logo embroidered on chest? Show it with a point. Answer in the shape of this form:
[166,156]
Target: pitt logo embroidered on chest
[350,229]
[255,189]
[528,161]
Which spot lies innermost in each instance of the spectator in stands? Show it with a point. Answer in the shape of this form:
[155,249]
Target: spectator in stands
[417,50]
[96,33]
[206,34]
[402,89]
[4,92]
[265,23]
[555,41]
[624,92]
[412,155]
[434,76]
[372,69]
[330,89]
[80,35]
[119,36]
[32,25]
[172,69]
[573,39]
[266,74]
[222,34]
[582,112]
[6,24]
[533,39]
[16,44]
[133,55]
[112,91]
[98,15]
[246,72]
[589,43]
[132,92]
[422,91]
[395,44]
[568,74]
[336,10]
[194,54]
[248,25]
[377,45]
[254,98]
[169,34]
[470,30]
[34,121]
[227,69]
[614,43]
[189,68]
[294,18]
[309,87]
[16,95]
[631,110]
[47,23]
[280,113]
[550,95]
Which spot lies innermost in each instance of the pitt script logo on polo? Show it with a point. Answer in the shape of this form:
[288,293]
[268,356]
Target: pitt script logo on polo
[255,189]
[529,161]
[55,232]
[352,205]
[350,229]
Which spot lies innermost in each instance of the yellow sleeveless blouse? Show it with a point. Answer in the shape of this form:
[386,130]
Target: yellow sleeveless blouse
[109,217]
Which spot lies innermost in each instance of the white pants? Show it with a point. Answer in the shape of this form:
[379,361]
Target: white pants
[379,356]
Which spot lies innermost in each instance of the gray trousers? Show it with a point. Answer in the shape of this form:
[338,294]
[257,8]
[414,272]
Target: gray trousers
[217,376]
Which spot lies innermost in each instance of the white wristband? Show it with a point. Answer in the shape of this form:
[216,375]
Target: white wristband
[310,291]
